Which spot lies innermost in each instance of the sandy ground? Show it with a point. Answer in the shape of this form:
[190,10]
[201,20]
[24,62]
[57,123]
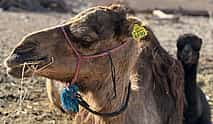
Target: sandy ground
[35,107]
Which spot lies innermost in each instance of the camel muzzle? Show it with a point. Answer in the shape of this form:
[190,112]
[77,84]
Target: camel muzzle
[16,62]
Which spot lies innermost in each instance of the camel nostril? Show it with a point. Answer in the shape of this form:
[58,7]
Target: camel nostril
[11,61]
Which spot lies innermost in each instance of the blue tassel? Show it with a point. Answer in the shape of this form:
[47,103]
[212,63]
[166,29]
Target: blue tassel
[69,100]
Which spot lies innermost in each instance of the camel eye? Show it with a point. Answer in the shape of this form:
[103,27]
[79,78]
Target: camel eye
[86,41]
[196,46]
[180,45]
[87,38]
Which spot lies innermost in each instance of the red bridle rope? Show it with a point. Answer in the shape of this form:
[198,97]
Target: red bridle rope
[80,57]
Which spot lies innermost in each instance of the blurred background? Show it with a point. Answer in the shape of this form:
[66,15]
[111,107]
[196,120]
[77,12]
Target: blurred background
[167,18]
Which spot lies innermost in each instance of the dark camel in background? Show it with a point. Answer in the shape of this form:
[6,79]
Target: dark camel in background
[197,109]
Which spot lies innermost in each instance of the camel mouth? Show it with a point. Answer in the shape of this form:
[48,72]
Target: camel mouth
[18,67]
[187,59]
[18,71]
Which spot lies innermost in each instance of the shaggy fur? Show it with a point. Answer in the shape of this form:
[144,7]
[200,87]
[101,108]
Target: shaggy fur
[157,78]
[197,110]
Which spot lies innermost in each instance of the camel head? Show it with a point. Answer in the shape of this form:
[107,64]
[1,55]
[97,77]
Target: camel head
[188,46]
[47,52]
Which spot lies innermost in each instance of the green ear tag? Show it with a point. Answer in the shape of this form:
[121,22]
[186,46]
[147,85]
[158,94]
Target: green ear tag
[139,32]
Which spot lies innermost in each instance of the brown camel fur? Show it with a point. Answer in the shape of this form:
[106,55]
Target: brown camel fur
[157,79]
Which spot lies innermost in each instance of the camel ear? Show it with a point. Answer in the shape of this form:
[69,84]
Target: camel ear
[120,9]
[200,41]
[119,18]
[197,45]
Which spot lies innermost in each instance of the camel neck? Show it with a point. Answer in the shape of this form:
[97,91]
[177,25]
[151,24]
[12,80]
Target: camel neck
[101,95]
[190,82]
[190,74]
[98,90]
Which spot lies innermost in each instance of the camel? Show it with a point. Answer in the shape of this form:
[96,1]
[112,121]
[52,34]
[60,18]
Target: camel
[197,109]
[143,70]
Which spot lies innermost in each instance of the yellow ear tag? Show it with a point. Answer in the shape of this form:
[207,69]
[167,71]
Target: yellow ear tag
[139,32]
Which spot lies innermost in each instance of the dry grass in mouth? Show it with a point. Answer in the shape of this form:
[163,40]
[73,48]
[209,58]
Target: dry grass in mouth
[33,66]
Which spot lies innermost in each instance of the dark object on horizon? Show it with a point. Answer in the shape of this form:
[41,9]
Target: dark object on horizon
[196,110]
[34,5]
[178,11]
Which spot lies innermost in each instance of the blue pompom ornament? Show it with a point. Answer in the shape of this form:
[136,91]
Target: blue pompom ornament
[69,99]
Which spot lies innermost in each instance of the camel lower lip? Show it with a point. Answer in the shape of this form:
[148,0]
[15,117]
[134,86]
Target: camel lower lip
[17,72]
[15,68]
[29,67]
